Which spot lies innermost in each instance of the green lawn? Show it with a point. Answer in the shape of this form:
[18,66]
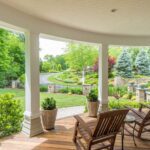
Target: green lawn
[62,100]
[54,80]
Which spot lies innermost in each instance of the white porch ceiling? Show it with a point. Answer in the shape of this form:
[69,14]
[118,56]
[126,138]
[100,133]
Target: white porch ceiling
[131,18]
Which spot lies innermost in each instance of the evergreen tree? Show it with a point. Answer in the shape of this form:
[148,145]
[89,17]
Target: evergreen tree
[124,65]
[142,63]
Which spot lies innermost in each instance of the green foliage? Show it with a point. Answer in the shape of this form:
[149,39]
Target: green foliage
[12,56]
[93,95]
[134,52]
[22,79]
[76,91]
[129,95]
[124,65]
[117,91]
[68,77]
[79,56]
[53,64]
[113,104]
[64,90]
[11,115]
[115,51]
[48,103]
[43,88]
[142,63]
[71,90]
[92,78]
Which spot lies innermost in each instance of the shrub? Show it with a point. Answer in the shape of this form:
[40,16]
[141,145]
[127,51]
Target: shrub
[43,88]
[114,91]
[133,98]
[93,95]
[128,95]
[76,91]
[113,104]
[71,90]
[11,115]
[64,90]
[49,103]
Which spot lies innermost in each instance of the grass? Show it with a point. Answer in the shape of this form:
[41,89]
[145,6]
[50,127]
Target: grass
[54,80]
[62,100]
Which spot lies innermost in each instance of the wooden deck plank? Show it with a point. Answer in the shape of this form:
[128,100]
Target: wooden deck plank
[61,139]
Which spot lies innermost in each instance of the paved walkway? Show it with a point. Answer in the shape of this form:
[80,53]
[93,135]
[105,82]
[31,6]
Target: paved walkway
[69,111]
[44,77]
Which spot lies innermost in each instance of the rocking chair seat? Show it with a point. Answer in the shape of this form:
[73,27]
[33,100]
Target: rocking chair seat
[83,132]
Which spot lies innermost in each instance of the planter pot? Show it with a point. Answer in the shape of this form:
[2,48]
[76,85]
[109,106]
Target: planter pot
[48,118]
[93,108]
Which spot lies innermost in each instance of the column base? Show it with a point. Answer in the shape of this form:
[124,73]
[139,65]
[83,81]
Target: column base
[103,107]
[32,126]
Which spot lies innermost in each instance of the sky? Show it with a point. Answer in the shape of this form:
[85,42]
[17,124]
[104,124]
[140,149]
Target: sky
[51,47]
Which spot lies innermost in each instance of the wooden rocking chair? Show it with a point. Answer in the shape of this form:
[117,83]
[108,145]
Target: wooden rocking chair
[142,120]
[100,133]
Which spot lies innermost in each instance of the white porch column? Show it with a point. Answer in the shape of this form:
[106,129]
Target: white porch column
[32,122]
[103,77]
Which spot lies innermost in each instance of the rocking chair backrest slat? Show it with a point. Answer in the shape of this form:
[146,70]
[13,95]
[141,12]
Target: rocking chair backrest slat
[109,122]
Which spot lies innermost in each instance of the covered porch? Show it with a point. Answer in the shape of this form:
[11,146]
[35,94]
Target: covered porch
[15,16]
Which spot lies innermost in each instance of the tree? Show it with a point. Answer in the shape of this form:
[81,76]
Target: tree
[111,63]
[123,65]
[53,63]
[80,56]
[12,57]
[4,57]
[16,49]
[142,63]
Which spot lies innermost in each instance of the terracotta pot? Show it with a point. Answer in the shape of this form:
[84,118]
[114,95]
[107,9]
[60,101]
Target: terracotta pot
[93,108]
[49,118]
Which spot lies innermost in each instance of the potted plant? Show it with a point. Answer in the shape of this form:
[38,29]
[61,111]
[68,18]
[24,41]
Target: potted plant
[93,103]
[49,112]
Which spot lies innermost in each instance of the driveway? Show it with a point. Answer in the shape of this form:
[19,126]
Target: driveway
[44,77]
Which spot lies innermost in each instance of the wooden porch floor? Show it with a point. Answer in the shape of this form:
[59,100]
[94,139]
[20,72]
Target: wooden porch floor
[61,139]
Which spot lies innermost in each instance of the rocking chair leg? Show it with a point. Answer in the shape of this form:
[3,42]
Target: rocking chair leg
[112,143]
[140,132]
[75,132]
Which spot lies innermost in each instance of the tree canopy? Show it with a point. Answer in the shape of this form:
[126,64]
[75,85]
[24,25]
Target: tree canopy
[12,56]
[124,65]
[79,56]
[142,63]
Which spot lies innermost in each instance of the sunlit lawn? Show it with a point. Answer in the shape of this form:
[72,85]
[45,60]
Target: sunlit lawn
[62,100]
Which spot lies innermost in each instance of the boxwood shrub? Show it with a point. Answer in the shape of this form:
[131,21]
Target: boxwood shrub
[11,115]
[43,88]
[122,103]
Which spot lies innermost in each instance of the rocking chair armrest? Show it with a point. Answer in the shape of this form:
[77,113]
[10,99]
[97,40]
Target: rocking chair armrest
[136,112]
[83,124]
